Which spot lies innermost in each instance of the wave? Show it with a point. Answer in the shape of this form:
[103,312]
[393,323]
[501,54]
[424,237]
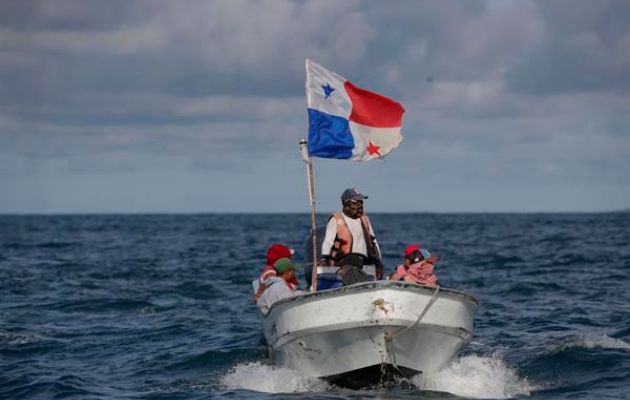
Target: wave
[64,386]
[259,377]
[26,345]
[578,361]
[470,376]
[216,358]
[477,377]
[105,305]
[623,332]
[591,341]
[17,339]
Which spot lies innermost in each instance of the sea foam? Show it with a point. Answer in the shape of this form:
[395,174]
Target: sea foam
[476,377]
[593,341]
[470,376]
[259,377]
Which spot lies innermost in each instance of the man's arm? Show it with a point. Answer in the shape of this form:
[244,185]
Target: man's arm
[329,238]
[259,292]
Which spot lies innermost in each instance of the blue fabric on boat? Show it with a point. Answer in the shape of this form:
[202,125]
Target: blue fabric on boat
[328,281]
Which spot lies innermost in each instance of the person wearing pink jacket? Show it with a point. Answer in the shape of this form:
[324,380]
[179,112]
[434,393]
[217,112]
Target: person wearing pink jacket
[417,268]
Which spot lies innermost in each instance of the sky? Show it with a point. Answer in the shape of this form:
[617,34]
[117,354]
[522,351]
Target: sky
[198,106]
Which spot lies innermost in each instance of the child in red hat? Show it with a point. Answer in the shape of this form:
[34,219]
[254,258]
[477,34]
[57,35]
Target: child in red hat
[417,267]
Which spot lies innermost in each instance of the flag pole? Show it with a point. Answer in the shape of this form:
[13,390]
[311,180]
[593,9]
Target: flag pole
[311,194]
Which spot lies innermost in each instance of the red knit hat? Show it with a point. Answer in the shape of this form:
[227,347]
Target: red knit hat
[410,249]
[276,252]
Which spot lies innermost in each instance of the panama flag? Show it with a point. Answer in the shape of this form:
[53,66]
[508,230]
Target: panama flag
[348,122]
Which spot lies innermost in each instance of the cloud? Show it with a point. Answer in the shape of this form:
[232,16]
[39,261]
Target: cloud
[501,94]
[585,49]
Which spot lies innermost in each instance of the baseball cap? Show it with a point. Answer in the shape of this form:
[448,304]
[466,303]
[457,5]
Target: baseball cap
[285,264]
[413,248]
[277,251]
[352,194]
[410,249]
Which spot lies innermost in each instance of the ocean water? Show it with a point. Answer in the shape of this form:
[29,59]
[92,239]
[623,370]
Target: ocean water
[160,306]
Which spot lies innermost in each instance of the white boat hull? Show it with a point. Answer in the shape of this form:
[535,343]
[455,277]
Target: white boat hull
[339,331]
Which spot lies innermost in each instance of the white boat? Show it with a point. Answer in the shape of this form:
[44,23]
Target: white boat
[370,332]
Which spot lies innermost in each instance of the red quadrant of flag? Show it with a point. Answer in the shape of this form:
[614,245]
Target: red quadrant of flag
[372,109]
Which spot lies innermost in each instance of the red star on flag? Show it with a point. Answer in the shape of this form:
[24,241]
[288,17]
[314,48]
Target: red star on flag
[374,149]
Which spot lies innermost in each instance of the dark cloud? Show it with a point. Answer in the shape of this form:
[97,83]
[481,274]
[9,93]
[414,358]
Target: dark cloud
[68,16]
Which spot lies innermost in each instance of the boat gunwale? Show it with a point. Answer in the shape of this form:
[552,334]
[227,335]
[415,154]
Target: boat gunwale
[307,297]
[446,330]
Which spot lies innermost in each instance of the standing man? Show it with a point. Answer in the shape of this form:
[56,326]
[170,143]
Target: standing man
[350,231]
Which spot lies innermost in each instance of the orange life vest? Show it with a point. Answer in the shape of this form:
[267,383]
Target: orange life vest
[343,240]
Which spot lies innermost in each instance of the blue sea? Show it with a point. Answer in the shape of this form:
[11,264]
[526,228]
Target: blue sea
[160,306]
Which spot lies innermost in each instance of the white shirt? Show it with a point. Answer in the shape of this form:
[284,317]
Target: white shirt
[358,240]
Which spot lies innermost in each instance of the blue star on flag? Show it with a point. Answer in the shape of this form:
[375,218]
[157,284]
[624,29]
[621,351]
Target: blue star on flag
[327,90]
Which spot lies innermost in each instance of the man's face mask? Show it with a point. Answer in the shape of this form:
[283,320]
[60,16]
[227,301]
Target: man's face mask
[353,208]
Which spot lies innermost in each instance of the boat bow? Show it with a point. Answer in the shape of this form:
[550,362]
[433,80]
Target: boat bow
[409,327]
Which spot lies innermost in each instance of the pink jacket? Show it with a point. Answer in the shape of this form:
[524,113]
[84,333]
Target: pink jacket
[420,273]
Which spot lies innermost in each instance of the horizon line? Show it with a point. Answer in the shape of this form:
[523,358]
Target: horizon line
[183,213]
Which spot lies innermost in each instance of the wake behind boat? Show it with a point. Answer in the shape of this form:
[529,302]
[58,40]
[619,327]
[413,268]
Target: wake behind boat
[370,332]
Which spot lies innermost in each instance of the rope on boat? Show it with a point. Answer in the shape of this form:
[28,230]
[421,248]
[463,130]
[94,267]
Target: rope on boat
[390,336]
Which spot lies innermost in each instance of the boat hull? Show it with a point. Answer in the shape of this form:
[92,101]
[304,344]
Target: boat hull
[375,375]
[334,333]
